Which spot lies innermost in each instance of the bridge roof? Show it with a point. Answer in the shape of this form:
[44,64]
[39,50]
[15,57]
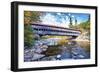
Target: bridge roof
[39,24]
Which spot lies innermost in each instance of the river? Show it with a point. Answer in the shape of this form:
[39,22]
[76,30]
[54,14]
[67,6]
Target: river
[64,51]
[70,50]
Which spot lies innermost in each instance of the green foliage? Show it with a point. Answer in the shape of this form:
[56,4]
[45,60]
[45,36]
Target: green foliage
[70,25]
[85,25]
[36,17]
[28,36]
[31,16]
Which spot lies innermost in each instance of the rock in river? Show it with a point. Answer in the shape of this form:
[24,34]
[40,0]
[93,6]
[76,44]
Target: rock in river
[37,56]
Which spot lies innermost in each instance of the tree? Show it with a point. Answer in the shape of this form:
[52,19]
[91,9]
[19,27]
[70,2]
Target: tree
[30,16]
[70,20]
[29,35]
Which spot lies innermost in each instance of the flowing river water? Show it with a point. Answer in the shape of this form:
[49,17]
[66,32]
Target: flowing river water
[69,50]
[54,51]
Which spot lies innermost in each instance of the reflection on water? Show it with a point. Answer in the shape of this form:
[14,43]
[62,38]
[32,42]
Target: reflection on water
[68,50]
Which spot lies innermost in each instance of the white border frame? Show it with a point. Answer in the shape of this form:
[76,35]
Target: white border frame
[22,64]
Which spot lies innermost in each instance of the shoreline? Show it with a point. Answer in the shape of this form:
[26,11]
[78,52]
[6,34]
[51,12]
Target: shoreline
[85,40]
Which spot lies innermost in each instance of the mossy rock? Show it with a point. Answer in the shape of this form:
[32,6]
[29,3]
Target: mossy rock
[53,50]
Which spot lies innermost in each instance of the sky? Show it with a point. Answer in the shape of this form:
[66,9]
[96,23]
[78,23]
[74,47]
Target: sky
[62,19]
